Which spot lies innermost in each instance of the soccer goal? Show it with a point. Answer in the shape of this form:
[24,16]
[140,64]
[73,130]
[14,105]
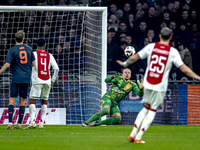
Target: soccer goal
[77,38]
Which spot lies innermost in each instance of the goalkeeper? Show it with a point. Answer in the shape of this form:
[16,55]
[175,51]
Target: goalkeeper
[121,87]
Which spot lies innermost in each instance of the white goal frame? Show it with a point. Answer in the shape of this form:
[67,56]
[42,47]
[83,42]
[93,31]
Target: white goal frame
[75,8]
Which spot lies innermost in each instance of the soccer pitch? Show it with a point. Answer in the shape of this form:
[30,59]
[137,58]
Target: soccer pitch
[114,137]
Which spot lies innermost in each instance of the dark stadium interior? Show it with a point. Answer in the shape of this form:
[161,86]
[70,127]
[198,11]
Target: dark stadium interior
[134,23]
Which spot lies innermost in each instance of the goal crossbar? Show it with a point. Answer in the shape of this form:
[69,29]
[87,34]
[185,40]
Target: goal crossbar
[52,8]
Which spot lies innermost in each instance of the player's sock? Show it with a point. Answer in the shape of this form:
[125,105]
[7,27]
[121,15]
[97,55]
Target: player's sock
[21,112]
[32,110]
[109,121]
[142,114]
[146,123]
[98,115]
[43,112]
[11,111]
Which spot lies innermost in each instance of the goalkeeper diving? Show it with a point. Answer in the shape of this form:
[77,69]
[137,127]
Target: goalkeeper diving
[121,87]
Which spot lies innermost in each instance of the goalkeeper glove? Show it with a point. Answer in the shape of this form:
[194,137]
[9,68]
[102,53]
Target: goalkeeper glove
[140,84]
[117,76]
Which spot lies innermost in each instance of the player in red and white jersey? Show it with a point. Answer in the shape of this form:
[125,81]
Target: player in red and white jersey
[41,82]
[160,58]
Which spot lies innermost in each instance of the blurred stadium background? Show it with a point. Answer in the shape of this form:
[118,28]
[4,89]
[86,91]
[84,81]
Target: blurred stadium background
[74,38]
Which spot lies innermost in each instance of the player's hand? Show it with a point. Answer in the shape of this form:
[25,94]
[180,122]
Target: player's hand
[120,63]
[140,84]
[52,83]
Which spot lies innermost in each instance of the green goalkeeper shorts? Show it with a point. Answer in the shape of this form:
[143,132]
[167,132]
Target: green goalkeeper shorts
[105,100]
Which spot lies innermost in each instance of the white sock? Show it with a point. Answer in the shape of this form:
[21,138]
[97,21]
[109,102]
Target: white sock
[146,123]
[10,123]
[43,112]
[32,110]
[140,117]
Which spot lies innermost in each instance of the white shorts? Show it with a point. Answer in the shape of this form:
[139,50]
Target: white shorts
[154,98]
[38,90]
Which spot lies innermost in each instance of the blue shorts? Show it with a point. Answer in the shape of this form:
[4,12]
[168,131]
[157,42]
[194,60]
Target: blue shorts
[21,88]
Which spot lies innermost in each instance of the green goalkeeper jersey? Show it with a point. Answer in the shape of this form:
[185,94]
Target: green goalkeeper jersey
[120,89]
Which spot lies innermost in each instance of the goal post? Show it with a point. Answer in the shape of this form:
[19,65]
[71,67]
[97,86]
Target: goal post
[79,91]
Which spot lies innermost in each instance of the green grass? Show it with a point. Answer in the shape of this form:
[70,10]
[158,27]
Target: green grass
[99,138]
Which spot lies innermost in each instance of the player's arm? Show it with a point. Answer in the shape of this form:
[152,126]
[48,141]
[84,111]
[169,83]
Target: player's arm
[112,79]
[55,70]
[142,54]
[129,61]
[33,63]
[136,90]
[5,67]
[32,58]
[8,61]
[185,69]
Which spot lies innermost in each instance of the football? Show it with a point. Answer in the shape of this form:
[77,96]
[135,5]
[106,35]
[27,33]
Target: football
[129,51]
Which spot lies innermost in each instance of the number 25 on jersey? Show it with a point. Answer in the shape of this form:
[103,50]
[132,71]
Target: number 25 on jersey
[156,69]
[157,63]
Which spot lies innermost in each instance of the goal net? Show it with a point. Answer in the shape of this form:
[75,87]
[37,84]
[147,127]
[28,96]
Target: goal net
[76,36]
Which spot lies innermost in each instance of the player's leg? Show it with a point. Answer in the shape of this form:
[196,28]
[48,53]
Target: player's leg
[106,103]
[145,125]
[34,95]
[13,95]
[43,113]
[44,96]
[140,117]
[11,111]
[114,119]
[23,89]
[32,111]
[156,101]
